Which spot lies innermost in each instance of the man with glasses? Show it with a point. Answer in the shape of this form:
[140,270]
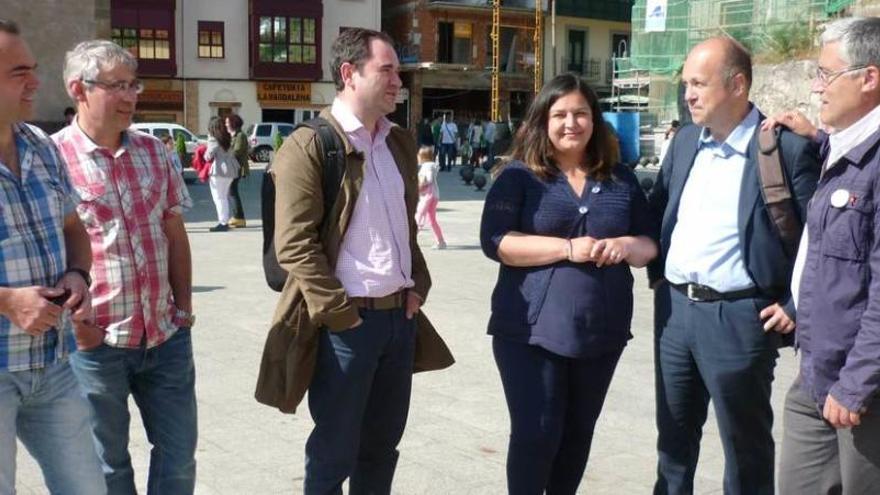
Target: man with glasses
[44,263]
[133,200]
[831,440]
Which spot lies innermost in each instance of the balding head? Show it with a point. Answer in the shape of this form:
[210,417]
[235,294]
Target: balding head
[731,56]
[717,75]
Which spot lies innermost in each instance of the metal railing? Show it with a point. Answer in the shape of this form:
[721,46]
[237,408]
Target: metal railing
[590,68]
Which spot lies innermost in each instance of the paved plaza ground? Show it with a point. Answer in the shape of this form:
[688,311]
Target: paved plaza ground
[456,438]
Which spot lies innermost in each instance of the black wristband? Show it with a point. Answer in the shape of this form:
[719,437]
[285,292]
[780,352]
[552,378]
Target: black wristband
[82,273]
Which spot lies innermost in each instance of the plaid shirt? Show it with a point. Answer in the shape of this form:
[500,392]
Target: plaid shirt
[32,212]
[127,195]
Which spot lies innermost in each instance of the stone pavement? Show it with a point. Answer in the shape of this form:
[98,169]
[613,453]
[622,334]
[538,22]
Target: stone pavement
[456,438]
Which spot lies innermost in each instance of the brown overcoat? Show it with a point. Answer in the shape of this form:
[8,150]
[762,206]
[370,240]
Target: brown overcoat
[313,297]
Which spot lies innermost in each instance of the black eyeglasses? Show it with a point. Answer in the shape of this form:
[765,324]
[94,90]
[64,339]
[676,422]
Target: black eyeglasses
[136,86]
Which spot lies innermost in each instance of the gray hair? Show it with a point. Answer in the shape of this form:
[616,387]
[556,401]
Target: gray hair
[859,39]
[88,58]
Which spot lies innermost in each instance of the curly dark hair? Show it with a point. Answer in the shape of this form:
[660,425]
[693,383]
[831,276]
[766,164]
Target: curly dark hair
[532,144]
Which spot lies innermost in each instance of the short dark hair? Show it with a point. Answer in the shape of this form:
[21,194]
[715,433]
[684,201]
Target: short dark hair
[10,27]
[353,46]
[69,111]
[235,121]
[532,144]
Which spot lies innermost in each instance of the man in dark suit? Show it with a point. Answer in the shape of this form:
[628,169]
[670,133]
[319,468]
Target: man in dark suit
[722,299]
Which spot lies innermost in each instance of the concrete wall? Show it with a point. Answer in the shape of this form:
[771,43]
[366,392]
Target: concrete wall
[784,87]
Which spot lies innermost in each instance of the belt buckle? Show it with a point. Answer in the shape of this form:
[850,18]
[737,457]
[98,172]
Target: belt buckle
[692,293]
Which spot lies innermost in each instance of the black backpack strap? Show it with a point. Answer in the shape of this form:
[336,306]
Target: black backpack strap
[333,161]
[776,191]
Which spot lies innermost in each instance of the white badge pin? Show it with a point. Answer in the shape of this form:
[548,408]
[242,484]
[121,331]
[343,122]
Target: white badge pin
[596,189]
[839,198]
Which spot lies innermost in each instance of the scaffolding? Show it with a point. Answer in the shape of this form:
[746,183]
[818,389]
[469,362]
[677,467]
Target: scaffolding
[784,29]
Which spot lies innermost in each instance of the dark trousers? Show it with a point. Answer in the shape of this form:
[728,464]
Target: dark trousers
[359,400]
[554,403]
[819,459]
[237,208]
[716,350]
[447,156]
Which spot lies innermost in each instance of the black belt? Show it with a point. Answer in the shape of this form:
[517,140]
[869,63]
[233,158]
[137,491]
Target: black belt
[702,293]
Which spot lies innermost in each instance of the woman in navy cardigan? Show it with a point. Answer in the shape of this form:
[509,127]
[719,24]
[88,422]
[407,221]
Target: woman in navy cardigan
[566,222]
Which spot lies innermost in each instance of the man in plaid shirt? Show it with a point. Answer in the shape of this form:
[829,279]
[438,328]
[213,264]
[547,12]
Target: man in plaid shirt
[132,205]
[44,263]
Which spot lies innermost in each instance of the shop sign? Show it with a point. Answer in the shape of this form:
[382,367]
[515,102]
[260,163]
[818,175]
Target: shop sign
[284,92]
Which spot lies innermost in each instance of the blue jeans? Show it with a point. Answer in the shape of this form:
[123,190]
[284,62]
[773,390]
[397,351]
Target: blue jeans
[359,400]
[162,381]
[554,402]
[45,409]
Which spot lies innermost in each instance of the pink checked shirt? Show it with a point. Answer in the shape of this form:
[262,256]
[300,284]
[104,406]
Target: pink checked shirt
[126,195]
[375,258]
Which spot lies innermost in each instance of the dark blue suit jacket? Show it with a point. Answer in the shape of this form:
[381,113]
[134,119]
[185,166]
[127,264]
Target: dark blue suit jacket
[762,249]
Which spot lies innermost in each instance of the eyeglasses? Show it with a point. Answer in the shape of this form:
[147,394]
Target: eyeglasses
[136,86]
[825,77]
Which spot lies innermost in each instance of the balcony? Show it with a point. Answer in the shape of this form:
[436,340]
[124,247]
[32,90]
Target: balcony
[590,69]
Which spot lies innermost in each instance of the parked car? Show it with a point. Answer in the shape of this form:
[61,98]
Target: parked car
[160,129]
[261,137]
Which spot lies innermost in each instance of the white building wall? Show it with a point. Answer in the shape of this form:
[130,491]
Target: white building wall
[234,15]
[228,80]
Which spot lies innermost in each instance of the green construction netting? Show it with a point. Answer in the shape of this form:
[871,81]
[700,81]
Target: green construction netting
[772,29]
[761,25]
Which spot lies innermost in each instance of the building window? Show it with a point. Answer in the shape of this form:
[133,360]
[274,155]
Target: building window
[454,42]
[288,40]
[210,39]
[145,44]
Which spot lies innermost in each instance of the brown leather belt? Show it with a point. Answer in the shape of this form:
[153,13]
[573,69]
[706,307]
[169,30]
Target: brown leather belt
[391,301]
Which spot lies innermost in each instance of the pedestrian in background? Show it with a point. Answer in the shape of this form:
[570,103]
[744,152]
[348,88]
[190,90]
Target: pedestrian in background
[168,141]
[429,195]
[566,221]
[241,151]
[133,204]
[475,136]
[448,143]
[224,170]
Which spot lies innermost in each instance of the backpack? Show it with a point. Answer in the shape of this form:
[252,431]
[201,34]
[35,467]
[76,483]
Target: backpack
[333,159]
[777,193]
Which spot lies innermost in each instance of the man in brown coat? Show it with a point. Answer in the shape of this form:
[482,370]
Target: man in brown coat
[348,325]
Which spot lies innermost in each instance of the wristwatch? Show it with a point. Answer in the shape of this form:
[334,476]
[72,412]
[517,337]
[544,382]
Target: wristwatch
[184,319]
[82,273]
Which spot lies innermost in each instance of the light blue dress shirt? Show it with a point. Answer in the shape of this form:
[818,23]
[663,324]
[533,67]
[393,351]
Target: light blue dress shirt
[704,248]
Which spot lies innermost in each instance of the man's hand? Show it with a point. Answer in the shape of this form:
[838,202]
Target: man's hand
[413,303]
[776,319]
[794,120]
[88,336]
[30,309]
[838,415]
[80,301]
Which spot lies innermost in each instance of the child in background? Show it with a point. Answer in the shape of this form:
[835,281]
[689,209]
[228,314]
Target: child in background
[172,152]
[429,194]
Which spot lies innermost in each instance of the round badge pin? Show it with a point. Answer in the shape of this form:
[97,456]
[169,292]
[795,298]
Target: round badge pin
[839,198]
[596,189]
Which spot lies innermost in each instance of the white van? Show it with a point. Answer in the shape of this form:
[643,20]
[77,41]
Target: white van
[160,129]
